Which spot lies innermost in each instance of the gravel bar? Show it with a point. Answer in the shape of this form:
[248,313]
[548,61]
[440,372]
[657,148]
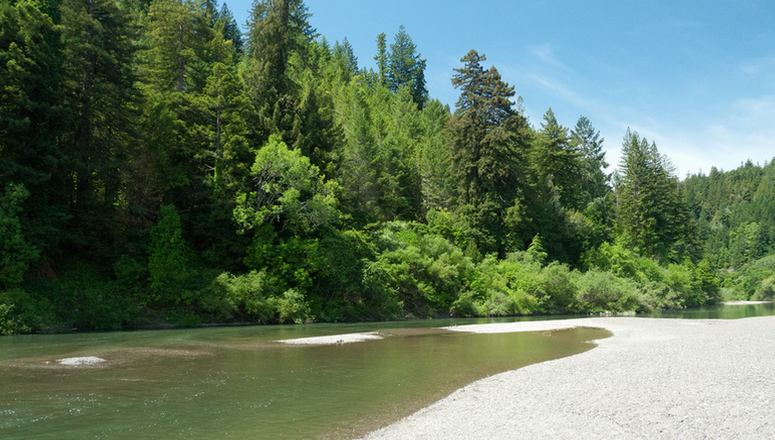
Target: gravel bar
[653,379]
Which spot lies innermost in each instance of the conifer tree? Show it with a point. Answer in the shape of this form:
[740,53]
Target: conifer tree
[651,215]
[587,142]
[382,58]
[31,116]
[405,67]
[488,138]
[558,164]
[99,89]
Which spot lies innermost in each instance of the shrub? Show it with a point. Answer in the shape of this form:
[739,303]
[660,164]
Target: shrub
[766,290]
[168,263]
[599,292]
[555,291]
[426,271]
[9,323]
[292,307]
[250,295]
[497,289]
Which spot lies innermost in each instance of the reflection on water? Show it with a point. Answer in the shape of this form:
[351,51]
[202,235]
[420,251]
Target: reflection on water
[719,312]
[237,383]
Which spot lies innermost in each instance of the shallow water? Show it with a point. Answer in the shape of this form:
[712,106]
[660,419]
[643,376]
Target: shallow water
[719,312]
[238,383]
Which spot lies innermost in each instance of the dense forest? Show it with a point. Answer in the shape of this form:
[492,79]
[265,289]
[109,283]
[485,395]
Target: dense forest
[158,166]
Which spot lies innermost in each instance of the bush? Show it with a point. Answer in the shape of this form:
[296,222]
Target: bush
[292,307]
[9,323]
[250,295]
[748,280]
[599,292]
[497,289]
[426,271]
[766,290]
[24,312]
[555,291]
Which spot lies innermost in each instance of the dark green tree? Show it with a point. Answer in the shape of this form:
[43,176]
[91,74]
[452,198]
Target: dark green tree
[588,142]
[99,84]
[488,138]
[31,116]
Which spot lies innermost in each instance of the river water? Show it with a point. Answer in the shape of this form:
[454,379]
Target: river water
[239,383]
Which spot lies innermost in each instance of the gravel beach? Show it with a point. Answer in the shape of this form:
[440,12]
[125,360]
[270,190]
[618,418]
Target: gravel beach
[654,378]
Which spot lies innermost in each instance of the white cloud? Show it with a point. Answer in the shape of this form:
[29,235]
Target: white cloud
[546,53]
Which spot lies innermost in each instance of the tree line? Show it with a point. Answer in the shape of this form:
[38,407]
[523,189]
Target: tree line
[158,166]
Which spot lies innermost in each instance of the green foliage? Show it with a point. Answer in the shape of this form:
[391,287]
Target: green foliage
[752,277]
[426,270]
[250,296]
[652,217]
[292,307]
[600,292]
[286,191]
[498,288]
[405,68]
[156,168]
[766,290]
[536,250]
[15,252]
[487,137]
[168,262]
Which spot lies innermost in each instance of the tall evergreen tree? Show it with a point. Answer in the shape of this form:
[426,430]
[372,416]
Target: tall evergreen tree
[588,142]
[31,116]
[405,67]
[651,215]
[488,138]
[278,28]
[99,86]
[382,58]
[558,164]
[230,28]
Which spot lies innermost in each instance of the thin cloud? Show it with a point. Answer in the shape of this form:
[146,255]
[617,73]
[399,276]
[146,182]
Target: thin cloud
[546,53]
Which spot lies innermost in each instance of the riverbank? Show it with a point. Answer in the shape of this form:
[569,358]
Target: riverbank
[655,378]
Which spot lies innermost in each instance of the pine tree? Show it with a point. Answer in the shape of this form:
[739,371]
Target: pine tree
[343,54]
[405,67]
[381,58]
[31,116]
[99,89]
[587,141]
[488,137]
[231,31]
[278,29]
[558,164]
[651,214]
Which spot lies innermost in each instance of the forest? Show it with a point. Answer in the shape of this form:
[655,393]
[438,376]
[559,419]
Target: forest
[161,167]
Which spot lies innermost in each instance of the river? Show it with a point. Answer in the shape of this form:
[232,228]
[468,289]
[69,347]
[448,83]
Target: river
[237,382]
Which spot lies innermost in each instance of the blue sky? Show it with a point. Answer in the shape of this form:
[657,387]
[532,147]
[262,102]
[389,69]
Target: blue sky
[697,77]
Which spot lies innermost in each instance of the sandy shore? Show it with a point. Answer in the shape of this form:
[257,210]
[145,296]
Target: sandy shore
[655,378]
[345,338]
[744,303]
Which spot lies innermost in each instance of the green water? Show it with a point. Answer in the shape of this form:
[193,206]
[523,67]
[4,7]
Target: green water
[237,383]
[720,312]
